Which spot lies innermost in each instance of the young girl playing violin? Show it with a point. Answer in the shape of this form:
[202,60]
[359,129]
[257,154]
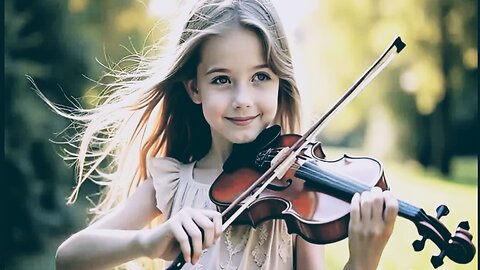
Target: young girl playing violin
[167,127]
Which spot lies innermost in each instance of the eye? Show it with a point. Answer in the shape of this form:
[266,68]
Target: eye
[261,77]
[221,80]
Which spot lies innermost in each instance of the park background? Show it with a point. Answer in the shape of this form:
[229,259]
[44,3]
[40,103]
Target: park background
[419,116]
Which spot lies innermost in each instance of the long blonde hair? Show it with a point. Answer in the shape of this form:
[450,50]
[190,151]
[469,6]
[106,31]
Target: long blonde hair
[146,112]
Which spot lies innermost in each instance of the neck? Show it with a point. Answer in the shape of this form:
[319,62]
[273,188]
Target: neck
[218,153]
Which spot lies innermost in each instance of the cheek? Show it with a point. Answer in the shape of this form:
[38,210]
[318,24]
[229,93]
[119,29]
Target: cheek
[213,108]
[270,102]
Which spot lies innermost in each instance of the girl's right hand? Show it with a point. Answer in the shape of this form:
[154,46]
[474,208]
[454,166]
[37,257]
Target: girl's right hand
[189,231]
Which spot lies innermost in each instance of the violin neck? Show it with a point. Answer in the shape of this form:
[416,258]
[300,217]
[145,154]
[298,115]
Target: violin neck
[344,189]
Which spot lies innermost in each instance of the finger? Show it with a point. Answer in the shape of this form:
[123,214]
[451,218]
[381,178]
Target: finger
[211,213]
[355,209]
[365,207]
[216,218]
[182,238]
[193,231]
[391,207]
[377,204]
[207,227]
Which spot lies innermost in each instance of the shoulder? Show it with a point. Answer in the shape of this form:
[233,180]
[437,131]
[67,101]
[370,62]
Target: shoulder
[159,166]
[164,172]
[165,175]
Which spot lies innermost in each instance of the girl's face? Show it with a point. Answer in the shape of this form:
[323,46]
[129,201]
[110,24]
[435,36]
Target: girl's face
[237,90]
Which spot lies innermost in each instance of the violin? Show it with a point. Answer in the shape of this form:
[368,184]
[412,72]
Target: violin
[288,177]
[313,197]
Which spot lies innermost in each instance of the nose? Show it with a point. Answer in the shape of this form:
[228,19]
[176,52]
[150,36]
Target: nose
[242,97]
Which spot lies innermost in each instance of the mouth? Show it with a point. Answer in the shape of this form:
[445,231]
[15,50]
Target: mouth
[243,120]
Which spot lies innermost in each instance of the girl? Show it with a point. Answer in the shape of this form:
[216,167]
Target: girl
[165,129]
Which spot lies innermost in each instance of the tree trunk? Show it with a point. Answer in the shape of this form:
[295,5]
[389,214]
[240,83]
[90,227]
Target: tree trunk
[442,134]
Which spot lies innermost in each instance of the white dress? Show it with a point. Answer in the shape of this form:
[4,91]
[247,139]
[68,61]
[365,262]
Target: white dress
[269,246]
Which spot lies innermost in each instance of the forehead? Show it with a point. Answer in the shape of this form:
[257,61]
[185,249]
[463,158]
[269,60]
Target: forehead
[233,47]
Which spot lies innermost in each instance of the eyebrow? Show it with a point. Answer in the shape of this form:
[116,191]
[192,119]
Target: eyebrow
[213,70]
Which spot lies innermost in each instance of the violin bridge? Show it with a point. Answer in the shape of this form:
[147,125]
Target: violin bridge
[279,155]
[286,164]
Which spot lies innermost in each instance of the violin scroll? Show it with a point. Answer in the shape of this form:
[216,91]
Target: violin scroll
[442,211]
[459,247]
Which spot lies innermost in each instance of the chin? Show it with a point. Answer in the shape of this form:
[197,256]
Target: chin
[243,139]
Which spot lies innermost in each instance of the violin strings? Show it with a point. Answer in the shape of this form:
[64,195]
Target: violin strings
[351,187]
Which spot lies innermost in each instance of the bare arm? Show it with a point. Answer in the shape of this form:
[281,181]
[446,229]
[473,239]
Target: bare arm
[119,237]
[115,238]
[309,256]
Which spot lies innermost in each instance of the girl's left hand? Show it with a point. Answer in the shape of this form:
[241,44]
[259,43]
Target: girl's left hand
[372,218]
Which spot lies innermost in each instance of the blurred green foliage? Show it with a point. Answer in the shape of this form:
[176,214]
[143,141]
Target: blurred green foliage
[423,107]
[35,36]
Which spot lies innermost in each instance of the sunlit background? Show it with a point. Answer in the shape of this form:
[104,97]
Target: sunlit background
[418,117]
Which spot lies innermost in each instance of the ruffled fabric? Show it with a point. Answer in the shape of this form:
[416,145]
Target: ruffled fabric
[170,176]
[165,174]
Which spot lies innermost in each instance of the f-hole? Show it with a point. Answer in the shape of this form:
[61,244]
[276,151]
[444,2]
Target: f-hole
[280,188]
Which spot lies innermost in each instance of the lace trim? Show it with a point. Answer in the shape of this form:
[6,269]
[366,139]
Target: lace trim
[259,254]
[285,246]
[232,250]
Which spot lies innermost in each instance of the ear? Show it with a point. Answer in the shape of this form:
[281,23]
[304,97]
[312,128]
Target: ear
[191,87]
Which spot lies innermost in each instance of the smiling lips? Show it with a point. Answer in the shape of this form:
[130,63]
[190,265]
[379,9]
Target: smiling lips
[242,121]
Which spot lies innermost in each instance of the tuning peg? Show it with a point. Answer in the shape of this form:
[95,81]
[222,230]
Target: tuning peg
[438,260]
[442,210]
[464,225]
[462,229]
[419,244]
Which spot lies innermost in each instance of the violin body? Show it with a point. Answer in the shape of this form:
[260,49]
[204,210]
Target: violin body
[318,214]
